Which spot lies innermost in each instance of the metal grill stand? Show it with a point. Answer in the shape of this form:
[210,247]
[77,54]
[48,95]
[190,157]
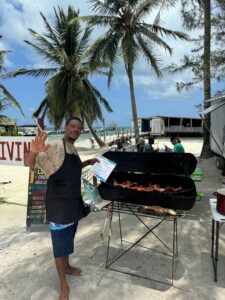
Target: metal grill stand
[219,220]
[132,209]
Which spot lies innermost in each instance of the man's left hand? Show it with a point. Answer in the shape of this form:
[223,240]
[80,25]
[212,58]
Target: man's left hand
[93,161]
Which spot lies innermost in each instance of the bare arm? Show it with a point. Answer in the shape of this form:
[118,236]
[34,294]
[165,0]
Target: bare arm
[37,146]
[89,162]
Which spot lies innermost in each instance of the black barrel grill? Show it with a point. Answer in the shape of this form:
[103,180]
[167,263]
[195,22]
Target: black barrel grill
[164,169]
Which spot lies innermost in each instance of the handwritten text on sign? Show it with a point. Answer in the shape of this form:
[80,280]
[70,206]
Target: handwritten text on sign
[13,149]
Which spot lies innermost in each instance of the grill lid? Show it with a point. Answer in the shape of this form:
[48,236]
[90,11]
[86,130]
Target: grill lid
[153,162]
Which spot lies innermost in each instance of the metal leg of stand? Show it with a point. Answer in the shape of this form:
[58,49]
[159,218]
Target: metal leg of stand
[110,225]
[174,247]
[120,227]
[217,248]
[213,231]
[176,238]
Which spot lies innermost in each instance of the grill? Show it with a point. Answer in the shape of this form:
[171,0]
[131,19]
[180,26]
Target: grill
[168,170]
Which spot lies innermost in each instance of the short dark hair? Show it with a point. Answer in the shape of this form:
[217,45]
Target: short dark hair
[175,139]
[151,140]
[73,118]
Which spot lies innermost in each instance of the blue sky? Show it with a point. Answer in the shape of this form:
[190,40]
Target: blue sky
[153,96]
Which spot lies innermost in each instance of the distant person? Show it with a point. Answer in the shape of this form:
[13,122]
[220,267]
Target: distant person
[148,146]
[178,147]
[141,144]
[119,145]
[122,140]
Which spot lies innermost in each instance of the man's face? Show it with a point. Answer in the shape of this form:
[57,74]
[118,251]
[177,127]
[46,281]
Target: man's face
[73,129]
[173,142]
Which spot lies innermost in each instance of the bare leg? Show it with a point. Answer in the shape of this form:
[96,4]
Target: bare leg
[64,288]
[69,269]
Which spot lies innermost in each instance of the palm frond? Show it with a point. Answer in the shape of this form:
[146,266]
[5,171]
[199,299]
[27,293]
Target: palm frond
[82,45]
[58,25]
[96,20]
[47,55]
[105,48]
[51,34]
[34,72]
[129,49]
[2,53]
[97,93]
[64,59]
[44,43]
[93,68]
[93,108]
[148,54]
[151,36]
[103,8]
[168,32]
[71,33]
[11,99]
[110,75]
[163,6]
[143,8]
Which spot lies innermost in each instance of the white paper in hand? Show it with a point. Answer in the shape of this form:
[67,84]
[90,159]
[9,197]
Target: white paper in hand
[103,168]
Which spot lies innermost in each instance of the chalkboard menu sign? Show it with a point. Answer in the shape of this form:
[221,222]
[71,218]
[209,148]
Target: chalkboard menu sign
[36,198]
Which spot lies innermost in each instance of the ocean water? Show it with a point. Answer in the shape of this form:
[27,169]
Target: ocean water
[87,135]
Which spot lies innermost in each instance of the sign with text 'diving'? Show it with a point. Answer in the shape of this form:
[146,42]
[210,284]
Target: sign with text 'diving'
[13,149]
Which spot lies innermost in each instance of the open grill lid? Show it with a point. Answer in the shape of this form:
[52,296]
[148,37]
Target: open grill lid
[153,162]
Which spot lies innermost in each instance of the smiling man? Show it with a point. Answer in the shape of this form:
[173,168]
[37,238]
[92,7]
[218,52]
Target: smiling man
[64,205]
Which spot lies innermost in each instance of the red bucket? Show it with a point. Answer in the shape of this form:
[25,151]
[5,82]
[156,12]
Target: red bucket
[220,205]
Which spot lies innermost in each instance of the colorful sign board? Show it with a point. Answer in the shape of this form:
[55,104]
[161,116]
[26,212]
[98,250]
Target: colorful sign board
[36,198]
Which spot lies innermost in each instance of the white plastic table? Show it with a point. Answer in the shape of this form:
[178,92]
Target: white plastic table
[219,220]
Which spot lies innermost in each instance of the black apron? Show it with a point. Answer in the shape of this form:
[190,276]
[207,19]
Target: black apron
[64,203]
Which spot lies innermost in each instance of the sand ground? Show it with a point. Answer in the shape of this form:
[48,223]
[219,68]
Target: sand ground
[27,268]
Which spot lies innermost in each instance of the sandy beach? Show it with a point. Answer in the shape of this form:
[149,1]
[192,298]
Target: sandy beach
[27,268]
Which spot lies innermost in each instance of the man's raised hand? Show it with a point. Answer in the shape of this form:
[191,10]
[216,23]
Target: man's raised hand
[38,144]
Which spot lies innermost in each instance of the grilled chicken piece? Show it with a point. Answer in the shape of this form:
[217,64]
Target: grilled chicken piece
[176,189]
[161,210]
[134,186]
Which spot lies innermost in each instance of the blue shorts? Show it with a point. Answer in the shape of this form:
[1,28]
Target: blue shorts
[63,241]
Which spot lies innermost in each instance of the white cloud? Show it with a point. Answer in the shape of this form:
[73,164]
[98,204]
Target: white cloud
[157,89]
[19,15]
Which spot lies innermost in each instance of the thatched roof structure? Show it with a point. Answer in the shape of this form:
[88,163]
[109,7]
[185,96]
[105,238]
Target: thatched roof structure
[6,121]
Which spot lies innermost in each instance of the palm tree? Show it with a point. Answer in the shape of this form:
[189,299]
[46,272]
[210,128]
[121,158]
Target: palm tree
[68,90]
[6,99]
[127,36]
[197,14]
[206,152]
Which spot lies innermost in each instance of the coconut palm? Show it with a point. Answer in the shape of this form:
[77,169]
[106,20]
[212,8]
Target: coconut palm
[204,64]
[127,36]
[68,90]
[6,99]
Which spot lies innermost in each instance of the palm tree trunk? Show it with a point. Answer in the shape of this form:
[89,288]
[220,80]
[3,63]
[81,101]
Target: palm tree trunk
[96,137]
[206,152]
[133,101]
